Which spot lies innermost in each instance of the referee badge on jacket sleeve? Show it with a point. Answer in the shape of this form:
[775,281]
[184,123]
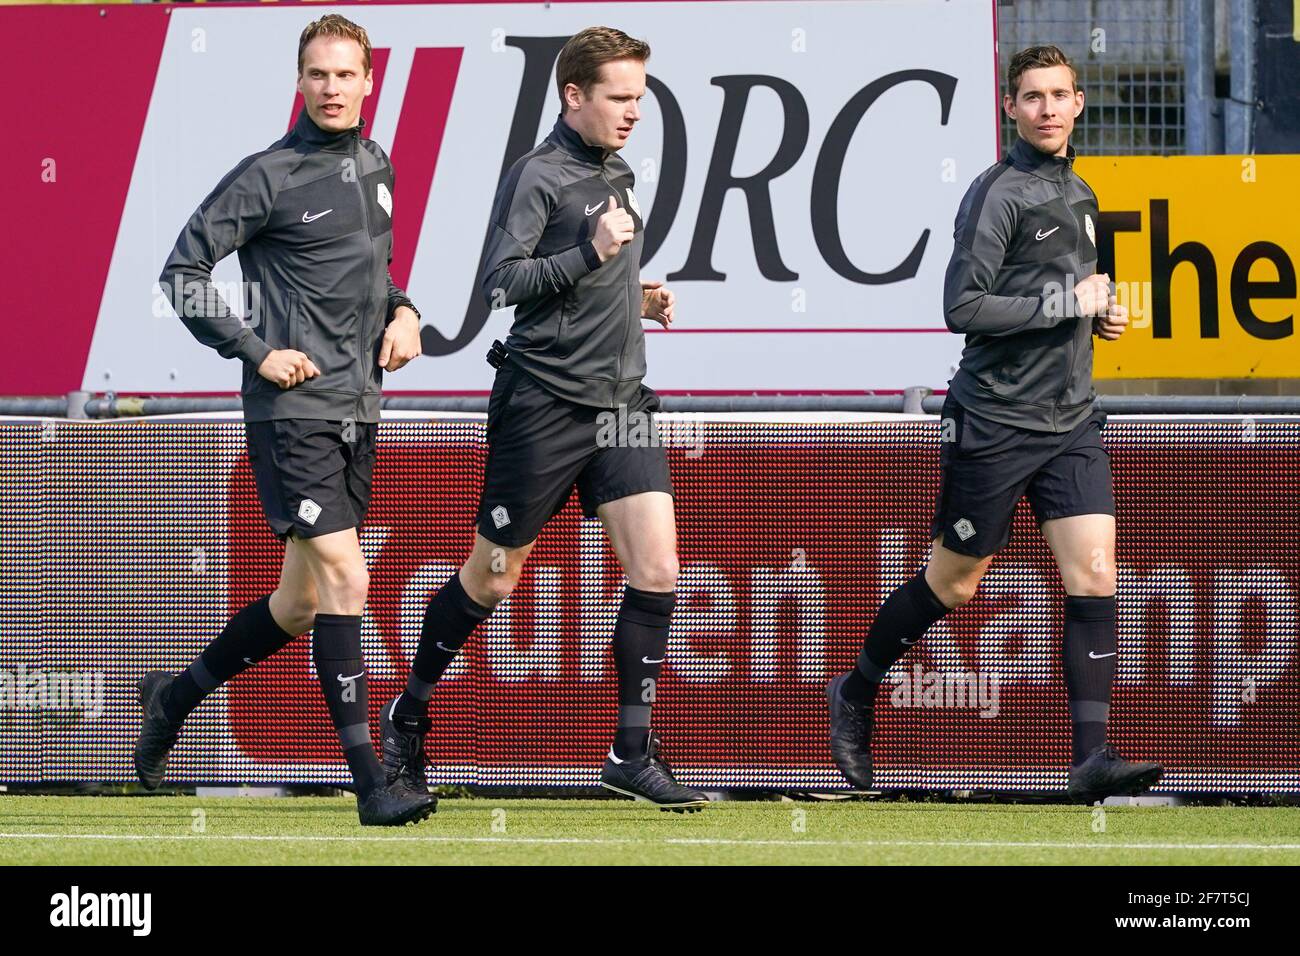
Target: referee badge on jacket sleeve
[1087,225]
[386,200]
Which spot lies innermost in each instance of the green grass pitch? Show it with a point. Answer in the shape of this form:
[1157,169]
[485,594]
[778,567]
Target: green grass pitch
[180,830]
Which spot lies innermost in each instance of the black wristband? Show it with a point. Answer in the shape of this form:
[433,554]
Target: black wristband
[409,306]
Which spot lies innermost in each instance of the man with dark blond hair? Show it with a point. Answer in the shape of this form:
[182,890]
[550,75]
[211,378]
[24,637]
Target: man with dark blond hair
[1019,421]
[564,248]
[311,219]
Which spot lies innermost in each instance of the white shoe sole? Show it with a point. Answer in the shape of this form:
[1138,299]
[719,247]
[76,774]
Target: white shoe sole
[688,805]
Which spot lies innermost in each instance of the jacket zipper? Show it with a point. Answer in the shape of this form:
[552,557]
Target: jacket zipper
[1069,365]
[627,319]
[365,309]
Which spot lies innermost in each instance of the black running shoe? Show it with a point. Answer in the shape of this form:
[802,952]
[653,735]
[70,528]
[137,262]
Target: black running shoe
[157,733]
[395,805]
[403,747]
[650,780]
[850,734]
[1106,774]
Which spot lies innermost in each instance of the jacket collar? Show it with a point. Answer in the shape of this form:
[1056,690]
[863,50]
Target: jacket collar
[1044,165]
[309,132]
[566,138]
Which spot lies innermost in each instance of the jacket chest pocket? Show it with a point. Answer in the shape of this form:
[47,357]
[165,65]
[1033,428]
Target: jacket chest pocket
[1046,232]
[320,211]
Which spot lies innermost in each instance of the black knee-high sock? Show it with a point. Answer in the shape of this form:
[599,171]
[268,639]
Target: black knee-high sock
[640,642]
[449,620]
[336,651]
[249,637]
[1089,654]
[907,613]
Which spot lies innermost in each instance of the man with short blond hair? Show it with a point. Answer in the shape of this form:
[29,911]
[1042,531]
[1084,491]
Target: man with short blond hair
[311,219]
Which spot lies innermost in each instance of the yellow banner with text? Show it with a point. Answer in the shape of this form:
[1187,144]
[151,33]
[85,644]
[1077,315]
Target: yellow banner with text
[1203,251]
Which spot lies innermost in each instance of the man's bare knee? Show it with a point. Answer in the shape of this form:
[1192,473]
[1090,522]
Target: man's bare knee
[294,610]
[958,592]
[344,584]
[953,577]
[1090,582]
[658,575]
[492,571]
[953,590]
[494,589]
[488,587]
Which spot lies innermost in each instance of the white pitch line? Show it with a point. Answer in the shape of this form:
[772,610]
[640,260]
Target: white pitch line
[668,841]
[986,844]
[279,838]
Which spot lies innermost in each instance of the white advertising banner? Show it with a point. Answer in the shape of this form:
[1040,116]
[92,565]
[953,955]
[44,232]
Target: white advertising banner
[800,165]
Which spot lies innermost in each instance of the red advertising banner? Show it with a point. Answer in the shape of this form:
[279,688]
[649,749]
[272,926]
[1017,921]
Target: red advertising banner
[131,543]
[790,535]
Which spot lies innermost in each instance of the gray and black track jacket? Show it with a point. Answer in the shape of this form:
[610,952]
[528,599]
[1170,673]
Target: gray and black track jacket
[1025,235]
[577,325]
[311,219]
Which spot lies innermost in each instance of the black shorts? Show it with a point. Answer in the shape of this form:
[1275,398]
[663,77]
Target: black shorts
[986,467]
[540,446]
[313,476]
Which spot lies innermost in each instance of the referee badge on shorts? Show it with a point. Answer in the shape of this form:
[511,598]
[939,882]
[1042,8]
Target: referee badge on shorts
[964,529]
[500,517]
[308,511]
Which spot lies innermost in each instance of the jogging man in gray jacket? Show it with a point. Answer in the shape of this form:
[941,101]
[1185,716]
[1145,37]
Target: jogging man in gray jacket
[1019,422]
[311,219]
[564,248]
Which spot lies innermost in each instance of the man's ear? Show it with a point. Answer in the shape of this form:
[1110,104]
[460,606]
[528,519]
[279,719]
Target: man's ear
[1009,106]
[572,100]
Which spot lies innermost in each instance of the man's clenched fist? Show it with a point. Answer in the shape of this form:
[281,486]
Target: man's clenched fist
[657,303]
[1093,295]
[287,368]
[1111,325]
[613,229]
[401,340]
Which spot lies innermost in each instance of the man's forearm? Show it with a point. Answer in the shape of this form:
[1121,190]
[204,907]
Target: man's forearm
[970,308]
[208,316]
[513,280]
[988,314]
